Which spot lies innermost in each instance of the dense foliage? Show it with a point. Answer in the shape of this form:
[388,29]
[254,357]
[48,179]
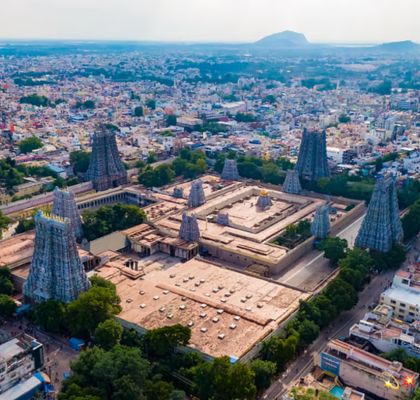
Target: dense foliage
[7,304]
[411,221]
[80,161]
[4,223]
[317,313]
[36,100]
[188,164]
[108,219]
[29,144]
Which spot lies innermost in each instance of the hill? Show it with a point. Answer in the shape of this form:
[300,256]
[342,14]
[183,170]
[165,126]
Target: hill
[285,39]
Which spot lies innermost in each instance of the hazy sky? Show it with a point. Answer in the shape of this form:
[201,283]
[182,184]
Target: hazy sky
[211,20]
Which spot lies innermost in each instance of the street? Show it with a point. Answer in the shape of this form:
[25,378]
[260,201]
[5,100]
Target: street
[337,329]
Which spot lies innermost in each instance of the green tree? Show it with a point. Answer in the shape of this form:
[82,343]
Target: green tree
[138,111]
[151,158]
[108,334]
[4,223]
[7,306]
[344,295]
[171,120]
[80,161]
[308,332]
[25,225]
[334,249]
[162,341]
[151,103]
[35,100]
[411,221]
[264,372]
[344,119]
[29,144]
[91,308]
[224,381]
[50,315]
[6,283]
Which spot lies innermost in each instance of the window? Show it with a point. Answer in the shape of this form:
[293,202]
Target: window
[402,305]
[405,281]
[393,302]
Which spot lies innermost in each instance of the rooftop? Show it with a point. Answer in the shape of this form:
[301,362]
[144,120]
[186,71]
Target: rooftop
[228,312]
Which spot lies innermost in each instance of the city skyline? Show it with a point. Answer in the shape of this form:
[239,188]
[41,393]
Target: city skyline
[210,21]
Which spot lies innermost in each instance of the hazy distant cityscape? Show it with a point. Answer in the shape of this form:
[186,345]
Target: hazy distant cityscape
[209,219]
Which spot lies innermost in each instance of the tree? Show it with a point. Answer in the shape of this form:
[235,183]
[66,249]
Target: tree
[151,103]
[308,332]
[222,380]
[91,308]
[334,249]
[171,120]
[411,221]
[108,334]
[85,105]
[25,225]
[344,119]
[6,283]
[108,219]
[264,372]
[151,157]
[29,144]
[50,315]
[80,161]
[162,341]
[7,306]
[4,223]
[35,100]
[344,295]
[98,281]
[138,111]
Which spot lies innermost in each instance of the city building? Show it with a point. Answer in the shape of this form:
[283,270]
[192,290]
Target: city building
[56,270]
[367,372]
[106,169]
[381,227]
[386,333]
[404,294]
[20,358]
[312,163]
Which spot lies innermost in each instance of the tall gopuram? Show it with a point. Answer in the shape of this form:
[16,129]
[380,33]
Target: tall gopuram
[320,226]
[196,197]
[106,169]
[230,170]
[291,183]
[189,229]
[64,205]
[312,161]
[381,227]
[56,272]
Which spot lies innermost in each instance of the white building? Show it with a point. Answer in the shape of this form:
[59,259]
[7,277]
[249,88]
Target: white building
[19,359]
[404,294]
[387,334]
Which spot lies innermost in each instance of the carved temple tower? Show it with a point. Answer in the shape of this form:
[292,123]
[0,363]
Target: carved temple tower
[56,272]
[106,169]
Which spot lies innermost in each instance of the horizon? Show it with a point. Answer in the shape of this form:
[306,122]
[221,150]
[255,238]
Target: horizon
[205,21]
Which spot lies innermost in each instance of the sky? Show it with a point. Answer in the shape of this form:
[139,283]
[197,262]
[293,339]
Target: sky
[210,20]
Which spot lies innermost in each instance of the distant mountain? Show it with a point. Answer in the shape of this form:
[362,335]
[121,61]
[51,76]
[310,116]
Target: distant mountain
[285,39]
[403,46]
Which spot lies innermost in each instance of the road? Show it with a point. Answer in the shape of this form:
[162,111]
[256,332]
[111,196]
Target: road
[337,329]
[313,268]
